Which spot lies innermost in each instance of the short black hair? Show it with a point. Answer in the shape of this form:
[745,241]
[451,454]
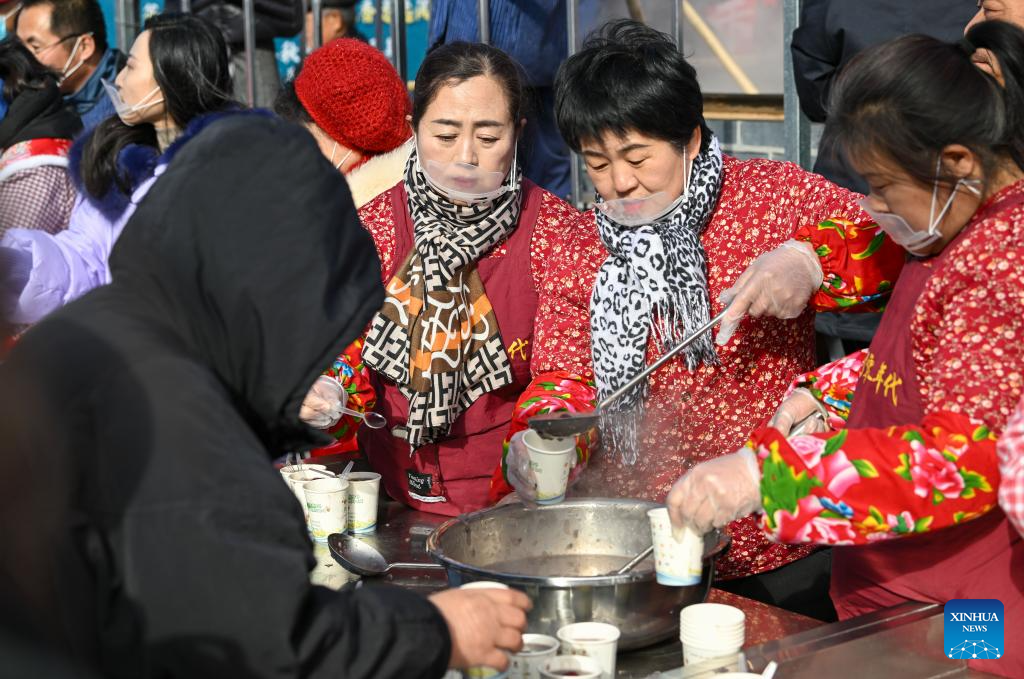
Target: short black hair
[628,76]
[20,71]
[75,17]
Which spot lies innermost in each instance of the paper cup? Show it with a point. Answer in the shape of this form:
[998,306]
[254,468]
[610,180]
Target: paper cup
[538,649]
[595,640]
[676,563]
[693,655]
[579,666]
[551,460]
[709,631]
[484,672]
[292,468]
[297,480]
[326,501]
[363,491]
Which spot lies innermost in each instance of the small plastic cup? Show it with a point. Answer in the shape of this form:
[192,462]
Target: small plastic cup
[676,563]
[482,672]
[326,500]
[551,461]
[297,480]
[579,666]
[363,493]
[537,650]
[597,640]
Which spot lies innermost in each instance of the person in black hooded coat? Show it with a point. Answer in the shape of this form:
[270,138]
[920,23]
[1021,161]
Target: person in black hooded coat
[184,555]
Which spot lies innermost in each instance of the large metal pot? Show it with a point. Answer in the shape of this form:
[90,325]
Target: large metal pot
[523,547]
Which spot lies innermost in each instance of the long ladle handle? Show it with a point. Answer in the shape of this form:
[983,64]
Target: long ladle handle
[635,560]
[612,397]
[424,565]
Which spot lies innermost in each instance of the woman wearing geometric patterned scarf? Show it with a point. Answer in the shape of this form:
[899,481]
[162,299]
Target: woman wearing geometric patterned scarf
[676,223]
[462,239]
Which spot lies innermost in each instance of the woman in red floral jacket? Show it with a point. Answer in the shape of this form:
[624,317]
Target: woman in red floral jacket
[910,446]
[463,240]
[676,225]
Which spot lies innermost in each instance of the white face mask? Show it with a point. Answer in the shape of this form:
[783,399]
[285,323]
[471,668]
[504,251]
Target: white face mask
[467,183]
[68,71]
[342,161]
[129,113]
[899,229]
[647,210]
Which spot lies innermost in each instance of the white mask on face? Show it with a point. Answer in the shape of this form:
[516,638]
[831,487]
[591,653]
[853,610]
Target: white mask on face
[649,209]
[914,241]
[68,71]
[129,113]
[467,183]
[342,161]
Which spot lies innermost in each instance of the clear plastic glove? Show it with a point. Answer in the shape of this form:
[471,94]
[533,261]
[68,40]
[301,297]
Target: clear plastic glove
[322,405]
[778,284]
[519,471]
[485,625]
[800,408]
[717,492]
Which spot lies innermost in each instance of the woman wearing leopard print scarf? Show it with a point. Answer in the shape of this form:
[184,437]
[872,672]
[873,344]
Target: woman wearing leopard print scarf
[676,223]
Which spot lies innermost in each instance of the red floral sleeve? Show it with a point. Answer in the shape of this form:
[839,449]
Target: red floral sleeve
[864,485]
[833,385]
[352,373]
[860,264]
[551,392]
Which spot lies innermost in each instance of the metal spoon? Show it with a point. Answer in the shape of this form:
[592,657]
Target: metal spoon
[563,424]
[363,559]
[373,420]
[632,563]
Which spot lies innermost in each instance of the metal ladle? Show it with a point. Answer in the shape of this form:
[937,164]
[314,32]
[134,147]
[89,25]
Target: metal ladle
[563,424]
[363,559]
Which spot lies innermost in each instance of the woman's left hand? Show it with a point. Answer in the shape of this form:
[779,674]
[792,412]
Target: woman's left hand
[717,492]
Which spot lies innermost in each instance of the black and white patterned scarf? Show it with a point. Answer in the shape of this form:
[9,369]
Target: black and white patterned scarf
[436,336]
[653,282]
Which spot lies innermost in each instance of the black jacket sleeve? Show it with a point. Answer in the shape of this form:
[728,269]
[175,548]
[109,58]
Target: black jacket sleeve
[817,55]
[213,550]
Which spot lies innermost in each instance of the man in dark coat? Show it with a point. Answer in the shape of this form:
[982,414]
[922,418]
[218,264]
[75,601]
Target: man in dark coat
[182,554]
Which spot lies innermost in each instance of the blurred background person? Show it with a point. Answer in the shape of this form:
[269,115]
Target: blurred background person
[274,19]
[350,97]
[8,11]
[70,38]
[534,34]
[36,129]
[175,83]
[337,20]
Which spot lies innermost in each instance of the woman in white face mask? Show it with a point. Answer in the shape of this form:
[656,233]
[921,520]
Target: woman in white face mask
[904,471]
[174,84]
[463,239]
[676,223]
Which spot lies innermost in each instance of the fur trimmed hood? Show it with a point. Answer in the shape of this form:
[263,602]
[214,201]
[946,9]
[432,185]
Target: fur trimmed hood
[138,162]
[379,174]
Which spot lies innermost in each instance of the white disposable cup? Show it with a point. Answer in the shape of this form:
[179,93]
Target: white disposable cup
[677,563]
[326,500]
[537,650]
[712,626]
[363,491]
[551,461]
[482,672]
[292,468]
[582,666]
[597,640]
[297,480]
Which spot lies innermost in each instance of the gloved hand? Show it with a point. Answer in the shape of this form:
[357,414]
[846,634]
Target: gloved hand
[778,284]
[716,492]
[322,405]
[797,408]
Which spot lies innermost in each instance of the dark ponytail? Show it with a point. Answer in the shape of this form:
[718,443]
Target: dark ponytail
[909,98]
[190,64]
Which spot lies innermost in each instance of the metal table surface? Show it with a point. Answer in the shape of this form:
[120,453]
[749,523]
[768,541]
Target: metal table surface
[905,641]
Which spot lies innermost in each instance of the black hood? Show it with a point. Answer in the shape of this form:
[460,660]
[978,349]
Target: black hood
[38,114]
[250,251]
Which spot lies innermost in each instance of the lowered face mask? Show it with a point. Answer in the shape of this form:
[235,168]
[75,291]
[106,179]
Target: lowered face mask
[129,113]
[632,212]
[468,183]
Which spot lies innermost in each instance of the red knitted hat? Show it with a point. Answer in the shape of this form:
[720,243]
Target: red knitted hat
[355,95]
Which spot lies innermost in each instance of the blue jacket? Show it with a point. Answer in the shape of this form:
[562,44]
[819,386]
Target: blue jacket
[91,101]
[533,32]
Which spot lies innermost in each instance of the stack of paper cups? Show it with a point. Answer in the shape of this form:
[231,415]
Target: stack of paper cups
[710,631]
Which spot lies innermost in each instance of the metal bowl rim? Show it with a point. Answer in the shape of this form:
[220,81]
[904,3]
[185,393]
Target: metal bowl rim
[434,549]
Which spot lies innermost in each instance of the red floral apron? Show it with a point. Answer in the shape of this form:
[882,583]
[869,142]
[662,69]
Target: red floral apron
[982,559]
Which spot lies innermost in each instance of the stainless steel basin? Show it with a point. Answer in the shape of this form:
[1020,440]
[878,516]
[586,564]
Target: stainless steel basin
[558,554]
